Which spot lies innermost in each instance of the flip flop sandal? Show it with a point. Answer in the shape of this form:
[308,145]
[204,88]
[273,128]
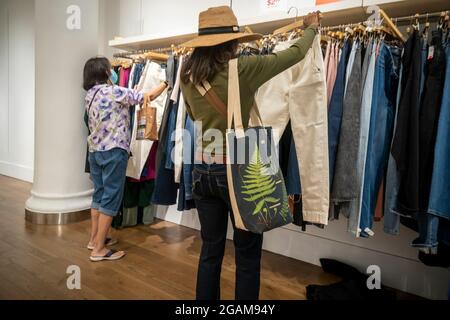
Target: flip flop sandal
[109,256]
[108,242]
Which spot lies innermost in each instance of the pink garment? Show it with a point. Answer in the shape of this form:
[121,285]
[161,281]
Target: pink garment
[332,70]
[124,76]
[150,165]
[151,173]
[327,56]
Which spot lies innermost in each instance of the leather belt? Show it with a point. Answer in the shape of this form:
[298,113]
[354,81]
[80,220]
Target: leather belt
[210,159]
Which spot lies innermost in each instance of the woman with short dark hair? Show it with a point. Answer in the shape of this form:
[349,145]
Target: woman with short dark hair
[107,107]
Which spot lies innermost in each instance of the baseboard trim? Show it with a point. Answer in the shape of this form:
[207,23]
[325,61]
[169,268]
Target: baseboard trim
[16,171]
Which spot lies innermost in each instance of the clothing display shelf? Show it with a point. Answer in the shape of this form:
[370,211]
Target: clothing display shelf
[333,14]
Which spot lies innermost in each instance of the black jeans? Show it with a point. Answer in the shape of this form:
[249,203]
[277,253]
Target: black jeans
[210,192]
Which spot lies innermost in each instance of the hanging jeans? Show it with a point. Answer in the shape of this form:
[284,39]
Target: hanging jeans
[405,146]
[439,204]
[355,207]
[380,131]
[210,191]
[345,182]
[391,217]
[165,187]
[429,119]
[335,109]
[188,157]
[299,94]
[170,143]
[293,183]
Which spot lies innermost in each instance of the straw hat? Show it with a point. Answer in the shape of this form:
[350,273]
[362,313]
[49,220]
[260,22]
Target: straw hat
[218,25]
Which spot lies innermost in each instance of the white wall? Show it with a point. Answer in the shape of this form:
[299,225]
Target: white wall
[17,88]
[150,16]
[108,25]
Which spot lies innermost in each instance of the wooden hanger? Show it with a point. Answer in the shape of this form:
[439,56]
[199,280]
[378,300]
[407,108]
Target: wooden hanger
[443,21]
[391,25]
[360,28]
[156,56]
[122,62]
[288,28]
[325,38]
[416,24]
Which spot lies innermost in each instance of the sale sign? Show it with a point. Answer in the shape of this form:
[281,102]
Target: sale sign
[274,5]
[320,2]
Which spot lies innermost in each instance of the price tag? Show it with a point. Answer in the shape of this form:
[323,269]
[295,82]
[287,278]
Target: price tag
[430,53]
[274,5]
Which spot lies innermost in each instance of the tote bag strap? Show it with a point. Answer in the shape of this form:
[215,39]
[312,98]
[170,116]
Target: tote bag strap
[255,116]
[145,102]
[211,96]
[234,113]
[234,100]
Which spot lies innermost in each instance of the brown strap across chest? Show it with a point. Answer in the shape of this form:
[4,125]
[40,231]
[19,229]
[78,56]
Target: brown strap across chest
[211,96]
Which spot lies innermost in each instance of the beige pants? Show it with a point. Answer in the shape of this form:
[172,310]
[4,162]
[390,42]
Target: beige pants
[300,94]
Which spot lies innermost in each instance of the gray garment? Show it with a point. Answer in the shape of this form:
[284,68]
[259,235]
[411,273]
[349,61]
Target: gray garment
[149,214]
[130,217]
[351,209]
[351,61]
[345,183]
[366,62]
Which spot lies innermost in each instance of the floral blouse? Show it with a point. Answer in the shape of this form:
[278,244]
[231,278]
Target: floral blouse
[109,116]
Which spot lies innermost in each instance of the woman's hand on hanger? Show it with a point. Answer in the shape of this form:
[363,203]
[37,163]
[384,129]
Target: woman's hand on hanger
[156,91]
[312,19]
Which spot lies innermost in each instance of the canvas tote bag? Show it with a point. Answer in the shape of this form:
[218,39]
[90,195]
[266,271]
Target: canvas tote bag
[147,127]
[257,191]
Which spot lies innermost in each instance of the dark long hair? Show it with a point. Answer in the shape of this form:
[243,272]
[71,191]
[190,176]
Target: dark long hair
[205,62]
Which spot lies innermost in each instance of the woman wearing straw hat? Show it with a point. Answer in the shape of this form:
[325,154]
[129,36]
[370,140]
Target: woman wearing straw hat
[216,44]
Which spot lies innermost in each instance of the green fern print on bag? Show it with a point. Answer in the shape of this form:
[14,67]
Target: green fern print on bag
[259,186]
[262,197]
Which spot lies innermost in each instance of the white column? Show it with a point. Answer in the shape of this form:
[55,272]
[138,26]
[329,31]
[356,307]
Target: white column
[61,191]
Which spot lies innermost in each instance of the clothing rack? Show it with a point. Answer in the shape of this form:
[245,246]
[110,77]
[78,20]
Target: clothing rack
[143,51]
[412,18]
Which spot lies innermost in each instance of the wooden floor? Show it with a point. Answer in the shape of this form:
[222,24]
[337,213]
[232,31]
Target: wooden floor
[161,262]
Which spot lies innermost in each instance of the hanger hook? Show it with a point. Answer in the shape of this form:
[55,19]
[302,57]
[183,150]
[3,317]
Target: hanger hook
[296,12]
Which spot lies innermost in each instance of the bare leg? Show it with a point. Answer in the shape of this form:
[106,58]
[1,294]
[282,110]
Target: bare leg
[94,226]
[104,223]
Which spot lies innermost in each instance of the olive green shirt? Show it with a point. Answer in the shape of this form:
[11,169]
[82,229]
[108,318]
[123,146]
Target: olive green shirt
[253,71]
